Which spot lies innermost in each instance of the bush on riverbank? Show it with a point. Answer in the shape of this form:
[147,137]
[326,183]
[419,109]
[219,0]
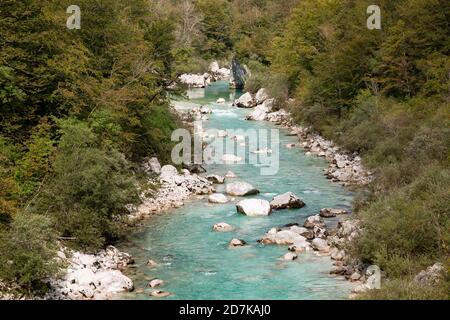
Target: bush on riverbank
[383,94]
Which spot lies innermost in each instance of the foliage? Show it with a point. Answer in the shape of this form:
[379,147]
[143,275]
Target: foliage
[27,251]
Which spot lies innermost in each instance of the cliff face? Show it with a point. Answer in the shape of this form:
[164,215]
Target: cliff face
[239,74]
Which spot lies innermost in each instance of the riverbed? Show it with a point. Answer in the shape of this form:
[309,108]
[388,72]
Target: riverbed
[197,264]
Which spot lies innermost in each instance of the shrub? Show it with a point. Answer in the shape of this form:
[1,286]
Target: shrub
[89,188]
[27,252]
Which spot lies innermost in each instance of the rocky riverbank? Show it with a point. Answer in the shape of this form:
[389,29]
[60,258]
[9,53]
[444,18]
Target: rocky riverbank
[215,73]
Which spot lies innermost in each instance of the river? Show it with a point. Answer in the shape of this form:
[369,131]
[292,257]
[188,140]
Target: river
[197,264]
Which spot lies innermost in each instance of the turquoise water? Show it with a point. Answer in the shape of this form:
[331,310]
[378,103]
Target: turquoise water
[195,262]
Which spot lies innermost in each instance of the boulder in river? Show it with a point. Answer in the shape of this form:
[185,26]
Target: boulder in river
[286,201]
[234,243]
[240,189]
[223,227]
[214,178]
[254,207]
[156,283]
[160,294]
[285,236]
[218,198]
[238,74]
[245,101]
[290,256]
[221,101]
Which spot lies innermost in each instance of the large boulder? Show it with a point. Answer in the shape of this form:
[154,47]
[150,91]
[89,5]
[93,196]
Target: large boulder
[240,189]
[214,178]
[286,201]
[245,101]
[261,111]
[254,207]
[218,198]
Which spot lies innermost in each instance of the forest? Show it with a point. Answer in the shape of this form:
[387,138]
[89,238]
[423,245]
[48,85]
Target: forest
[81,108]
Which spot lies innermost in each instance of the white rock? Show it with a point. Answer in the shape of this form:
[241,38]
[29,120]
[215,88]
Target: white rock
[261,96]
[313,221]
[240,189]
[221,101]
[320,245]
[218,198]
[151,165]
[214,178]
[223,227]
[245,101]
[254,207]
[237,243]
[156,283]
[286,201]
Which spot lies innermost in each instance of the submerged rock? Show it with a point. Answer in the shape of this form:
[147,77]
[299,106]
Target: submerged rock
[286,201]
[223,227]
[156,283]
[237,243]
[290,256]
[254,207]
[160,294]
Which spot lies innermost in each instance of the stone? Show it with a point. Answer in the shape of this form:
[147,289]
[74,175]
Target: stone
[218,198]
[320,245]
[313,221]
[261,96]
[287,200]
[245,101]
[282,237]
[214,178]
[221,101]
[254,207]
[151,165]
[194,80]
[240,189]
[223,227]
[160,294]
[330,213]
[151,263]
[290,256]
[237,243]
[431,276]
[156,283]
